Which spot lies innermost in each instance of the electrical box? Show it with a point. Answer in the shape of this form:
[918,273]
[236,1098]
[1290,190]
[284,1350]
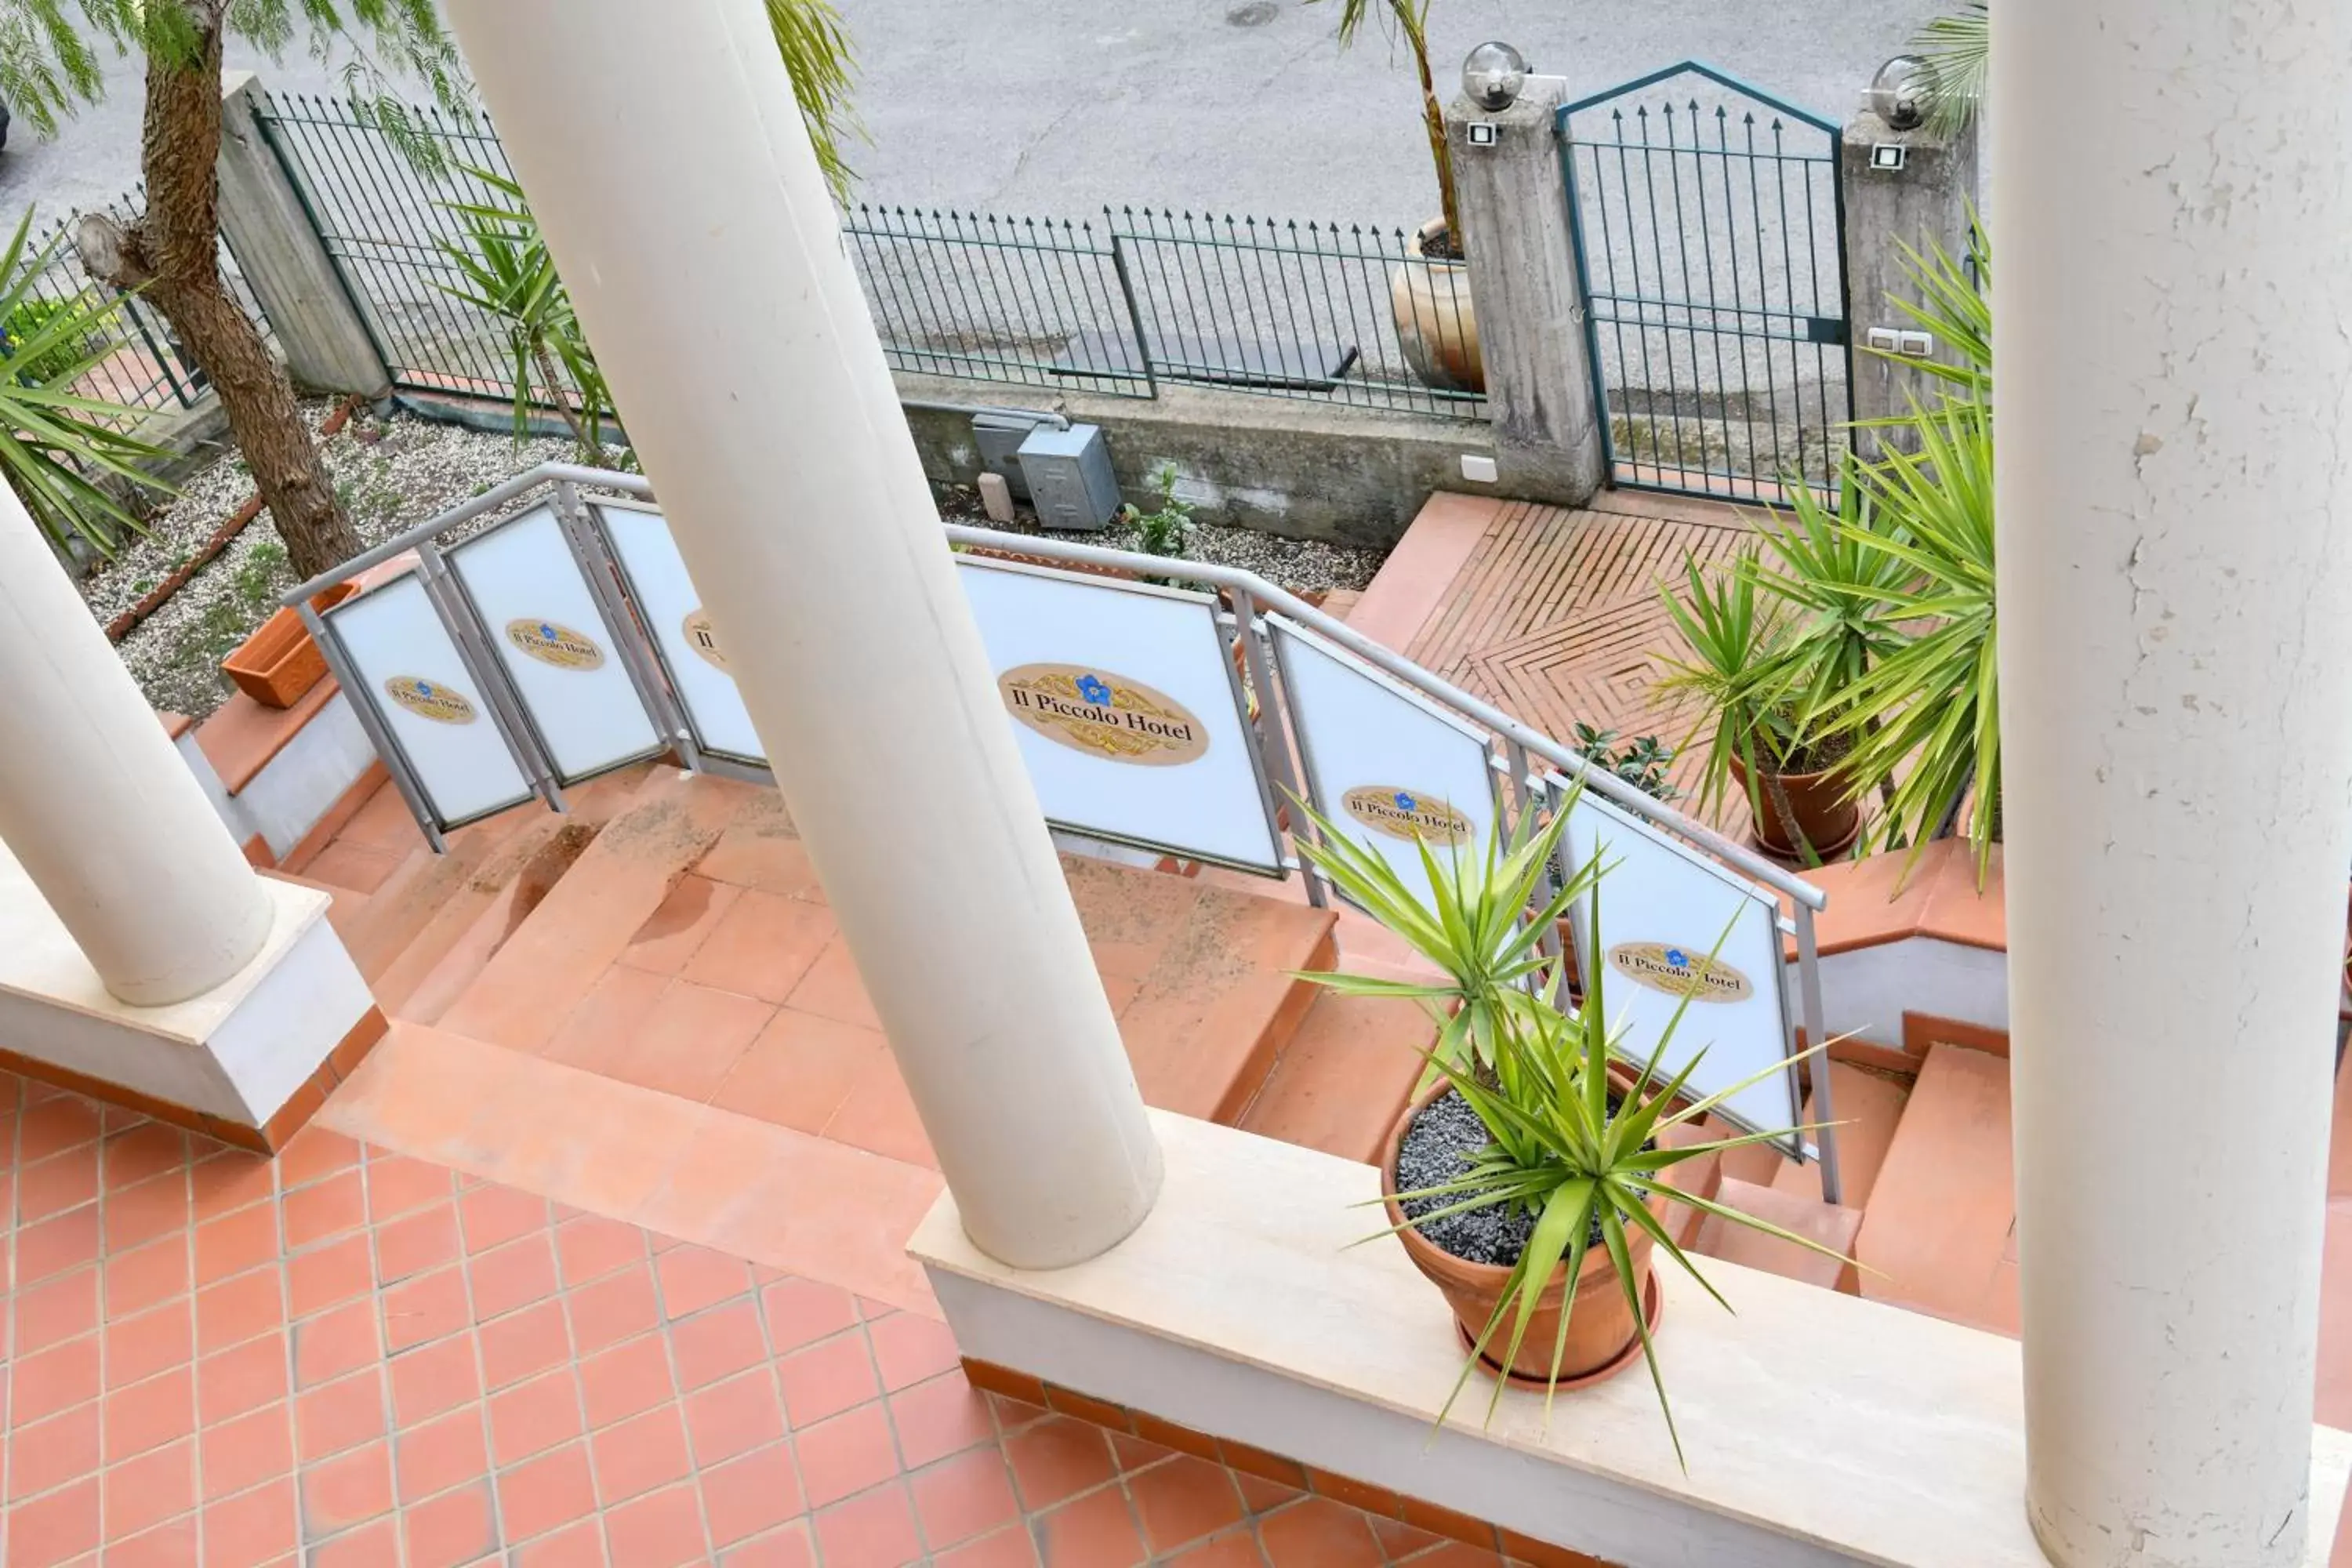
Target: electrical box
[1069,476]
[999,439]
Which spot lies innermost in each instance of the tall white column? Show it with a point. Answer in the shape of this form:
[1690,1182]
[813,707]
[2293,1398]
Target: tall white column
[2170,215]
[665,160]
[97,807]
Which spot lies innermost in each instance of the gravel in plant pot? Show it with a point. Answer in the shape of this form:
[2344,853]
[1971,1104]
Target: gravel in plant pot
[1530,1181]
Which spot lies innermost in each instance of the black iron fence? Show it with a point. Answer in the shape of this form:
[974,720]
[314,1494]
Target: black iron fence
[1123,303]
[143,367]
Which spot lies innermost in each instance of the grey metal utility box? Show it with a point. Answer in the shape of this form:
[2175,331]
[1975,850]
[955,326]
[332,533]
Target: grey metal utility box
[999,437]
[1069,476]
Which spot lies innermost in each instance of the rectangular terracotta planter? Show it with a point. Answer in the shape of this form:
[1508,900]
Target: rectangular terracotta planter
[279,662]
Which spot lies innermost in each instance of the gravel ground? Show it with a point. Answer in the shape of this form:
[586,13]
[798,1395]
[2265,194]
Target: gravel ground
[399,470]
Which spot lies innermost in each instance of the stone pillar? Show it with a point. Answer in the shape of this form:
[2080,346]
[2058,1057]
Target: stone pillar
[96,805]
[1513,197]
[324,338]
[2169,200]
[1924,203]
[667,165]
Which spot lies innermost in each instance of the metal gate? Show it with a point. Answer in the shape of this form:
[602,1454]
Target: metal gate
[1709,228]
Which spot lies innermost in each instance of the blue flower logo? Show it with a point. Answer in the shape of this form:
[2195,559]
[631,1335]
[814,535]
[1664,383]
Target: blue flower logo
[1404,802]
[1094,690]
[547,631]
[424,688]
[1677,957]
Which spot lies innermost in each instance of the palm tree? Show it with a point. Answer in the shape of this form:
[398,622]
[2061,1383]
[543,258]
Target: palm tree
[1408,20]
[49,59]
[1957,51]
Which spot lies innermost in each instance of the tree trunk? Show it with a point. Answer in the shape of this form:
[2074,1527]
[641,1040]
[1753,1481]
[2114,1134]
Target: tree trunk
[585,447]
[172,252]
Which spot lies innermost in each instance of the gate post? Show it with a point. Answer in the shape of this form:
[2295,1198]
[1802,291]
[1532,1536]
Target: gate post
[327,344]
[1925,200]
[1513,198]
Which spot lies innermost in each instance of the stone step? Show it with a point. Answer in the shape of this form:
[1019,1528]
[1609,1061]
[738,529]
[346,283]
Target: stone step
[1340,601]
[1831,1226]
[1868,1108]
[1940,1228]
[1344,1078]
[349,908]
[564,944]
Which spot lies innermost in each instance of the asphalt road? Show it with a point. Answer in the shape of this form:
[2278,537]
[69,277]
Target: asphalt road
[1055,108]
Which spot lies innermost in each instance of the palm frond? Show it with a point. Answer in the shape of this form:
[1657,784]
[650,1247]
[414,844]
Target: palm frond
[1957,51]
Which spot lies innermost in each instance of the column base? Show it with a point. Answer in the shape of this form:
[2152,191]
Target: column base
[247,1062]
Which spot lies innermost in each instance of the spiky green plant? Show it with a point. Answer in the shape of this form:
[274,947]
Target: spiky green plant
[1582,1154]
[1958,51]
[1482,924]
[55,441]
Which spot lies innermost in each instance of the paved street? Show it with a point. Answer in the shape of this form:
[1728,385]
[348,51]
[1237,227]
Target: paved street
[1055,106]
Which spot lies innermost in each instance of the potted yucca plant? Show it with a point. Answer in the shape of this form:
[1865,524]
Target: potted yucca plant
[1530,1180]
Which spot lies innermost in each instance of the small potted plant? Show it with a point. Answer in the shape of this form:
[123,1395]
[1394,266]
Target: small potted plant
[1531,1180]
[1642,762]
[1743,668]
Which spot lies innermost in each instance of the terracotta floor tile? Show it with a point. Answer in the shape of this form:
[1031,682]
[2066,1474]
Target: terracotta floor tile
[942,1416]
[433,1378]
[547,1493]
[431,1458]
[358,867]
[910,1347]
[589,1247]
[672,932]
[659,1530]
[328,1207]
[54,1246]
[879,1116]
[237,1242]
[626,1380]
[512,1275]
[615,1308]
[1260,1495]
[1096,1530]
[717,1343]
[429,1307]
[231,1181]
[845,1455]
[246,1451]
[802,1312]
[491,1216]
[1455,1555]
[958,1499]
[141,1154]
[397,1184]
[146,1277]
[57,1183]
[151,1414]
[55,1125]
[692,1277]
[1237,1548]
[139,1347]
[1182,1501]
[314,1152]
[760,849]
[46,1455]
[329,1276]
[523,1344]
[749,1495]
[873,1530]
[1057,1458]
[258,1526]
[1007,1548]
[1397,1538]
[57,1311]
[579,1545]
[601,1025]
[374,1545]
[790,1547]
[342,1415]
[533,1416]
[426,1238]
[1315,1532]
[337,1342]
[347,1490]
[762,946]
[831,989]
[156,1207]
[454,1528]
[235,1310]
[826,1379]
[734,1416]
[144,1491]
[799,1069]
[54,1380]
[640,1454]
[54,1529]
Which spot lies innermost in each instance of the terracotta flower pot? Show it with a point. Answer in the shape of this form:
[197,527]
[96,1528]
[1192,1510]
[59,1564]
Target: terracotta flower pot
[1601,1335]
[1436,324]
[1818,801]
[279,663]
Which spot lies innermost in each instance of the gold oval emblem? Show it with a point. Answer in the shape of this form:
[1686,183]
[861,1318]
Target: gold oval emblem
[1104,715]
[551,642]
[1407,814]
[430,699]
[1679,972]
[695,628]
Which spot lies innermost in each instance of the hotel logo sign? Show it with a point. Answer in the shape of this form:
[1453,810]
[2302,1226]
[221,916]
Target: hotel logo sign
[550,642]
[1679,972]
[696,629]
[1104,715]
[430,699]
[1407,814]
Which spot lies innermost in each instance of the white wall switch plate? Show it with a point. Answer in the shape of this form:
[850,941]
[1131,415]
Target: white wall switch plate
[1477,469]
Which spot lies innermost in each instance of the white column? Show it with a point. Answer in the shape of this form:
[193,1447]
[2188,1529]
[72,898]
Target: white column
[665,160]
[2170,216]
[97,807]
